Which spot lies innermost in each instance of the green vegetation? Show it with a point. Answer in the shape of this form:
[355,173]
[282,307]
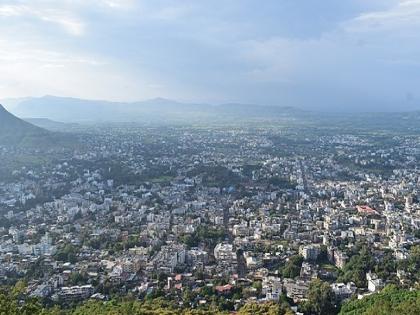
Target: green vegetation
[265,309]
[292,267]
[329,267]
[412,264]
[208,236]
[11,303]
[389,301]
[320,299]
[218,176]
[67,253]
[385,266]
[162,179]
[355,270]
[281,183]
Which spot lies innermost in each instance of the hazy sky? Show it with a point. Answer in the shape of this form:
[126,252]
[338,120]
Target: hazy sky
[342,54]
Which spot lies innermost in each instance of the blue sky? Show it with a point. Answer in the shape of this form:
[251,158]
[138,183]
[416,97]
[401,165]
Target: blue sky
[317,54]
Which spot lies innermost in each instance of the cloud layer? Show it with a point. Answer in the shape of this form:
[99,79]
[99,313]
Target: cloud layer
[341,55]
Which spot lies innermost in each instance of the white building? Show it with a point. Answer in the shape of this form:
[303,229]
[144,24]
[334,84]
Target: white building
[374,283]
[224,252]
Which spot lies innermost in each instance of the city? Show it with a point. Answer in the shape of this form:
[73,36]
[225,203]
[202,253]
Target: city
[215,218]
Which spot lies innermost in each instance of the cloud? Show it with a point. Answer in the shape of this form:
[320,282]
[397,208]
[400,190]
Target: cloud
[155,86]
[27,68]
[173,13]
[71,24]
[12,10]
[405,15]
[119,4]
[289,52]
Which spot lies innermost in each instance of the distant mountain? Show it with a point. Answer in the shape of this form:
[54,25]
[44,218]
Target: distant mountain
[11,103]
[49,124]
[78,110]
[160,110]
[65,109]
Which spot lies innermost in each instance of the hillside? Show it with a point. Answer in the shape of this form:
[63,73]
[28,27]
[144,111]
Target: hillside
[11,124]
[49,124]
[389,301]
[18,132]
[14,130]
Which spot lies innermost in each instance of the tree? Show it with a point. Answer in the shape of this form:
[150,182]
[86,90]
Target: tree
[264,309]
[68,253]
[77,278]
[31,307]
[320,299]
[355,270]
[258,286]
[6,306]
[187,297]
[19,288]
[391,300]
[292,267]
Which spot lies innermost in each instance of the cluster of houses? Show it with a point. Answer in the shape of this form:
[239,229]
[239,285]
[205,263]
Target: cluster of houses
[100,235]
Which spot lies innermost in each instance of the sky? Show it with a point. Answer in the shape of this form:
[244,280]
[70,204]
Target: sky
[346,55]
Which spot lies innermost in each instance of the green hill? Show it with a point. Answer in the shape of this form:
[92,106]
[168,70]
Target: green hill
[389,301]
[16,131]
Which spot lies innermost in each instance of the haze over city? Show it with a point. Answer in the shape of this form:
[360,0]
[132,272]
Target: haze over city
[350,55]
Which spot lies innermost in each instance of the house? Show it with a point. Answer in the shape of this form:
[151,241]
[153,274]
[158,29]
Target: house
[374,283]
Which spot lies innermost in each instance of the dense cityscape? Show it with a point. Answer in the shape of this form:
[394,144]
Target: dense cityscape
[213,219]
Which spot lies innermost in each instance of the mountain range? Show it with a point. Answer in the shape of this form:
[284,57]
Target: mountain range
[65,109]
[51,112]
